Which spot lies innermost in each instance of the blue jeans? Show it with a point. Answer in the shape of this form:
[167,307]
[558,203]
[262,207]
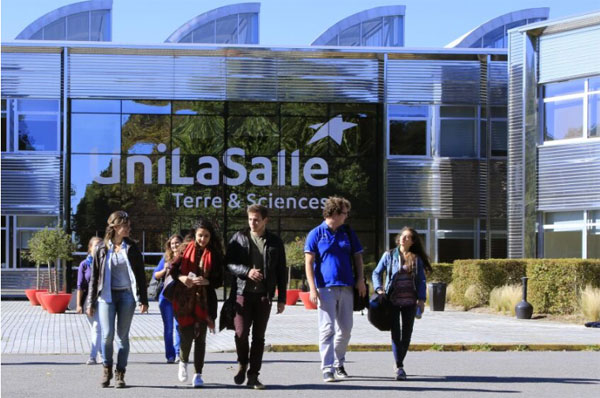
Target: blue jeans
[122,308]
[95,335]
[168,318]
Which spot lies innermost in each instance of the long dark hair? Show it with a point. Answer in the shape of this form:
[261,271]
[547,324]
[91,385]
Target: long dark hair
[416,249]
[215,244]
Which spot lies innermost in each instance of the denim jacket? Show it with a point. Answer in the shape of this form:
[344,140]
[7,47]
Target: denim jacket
[391,264]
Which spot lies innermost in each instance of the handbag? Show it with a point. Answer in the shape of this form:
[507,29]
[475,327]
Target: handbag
[227,314]
[169,287]
[155,288]
[379,312]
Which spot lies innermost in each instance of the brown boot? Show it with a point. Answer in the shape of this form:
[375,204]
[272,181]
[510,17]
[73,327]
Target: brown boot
[120,378]
[106,376]
[240,377]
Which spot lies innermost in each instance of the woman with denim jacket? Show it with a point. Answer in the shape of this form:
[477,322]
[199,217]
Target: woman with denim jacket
[405,288]
[117,283]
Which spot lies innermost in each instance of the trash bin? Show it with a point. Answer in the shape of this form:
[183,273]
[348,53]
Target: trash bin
[437,296]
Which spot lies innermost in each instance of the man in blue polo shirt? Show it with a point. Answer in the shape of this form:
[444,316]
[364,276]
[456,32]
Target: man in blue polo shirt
[331,276]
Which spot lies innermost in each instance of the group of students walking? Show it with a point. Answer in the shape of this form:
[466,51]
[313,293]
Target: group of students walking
[111,280]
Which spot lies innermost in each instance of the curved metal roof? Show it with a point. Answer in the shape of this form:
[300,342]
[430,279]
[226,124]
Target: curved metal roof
[203,19]
[471,37]
[365,15]
[61,12]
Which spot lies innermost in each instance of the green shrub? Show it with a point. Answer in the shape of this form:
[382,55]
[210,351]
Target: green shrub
[442,272]
[555,285]
[481,276]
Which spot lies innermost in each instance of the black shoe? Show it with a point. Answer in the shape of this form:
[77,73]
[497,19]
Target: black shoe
[254,383]
[340,373]
[328,377]
[400,374]
[240,376]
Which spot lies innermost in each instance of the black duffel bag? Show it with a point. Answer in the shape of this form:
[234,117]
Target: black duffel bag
[379,313]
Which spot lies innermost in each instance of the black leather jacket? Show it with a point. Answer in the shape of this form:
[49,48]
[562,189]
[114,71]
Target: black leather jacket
[239,263]
[136,261]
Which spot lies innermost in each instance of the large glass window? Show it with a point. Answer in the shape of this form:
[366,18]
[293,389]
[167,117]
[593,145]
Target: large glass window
[36,125]
[563,234]
[408,130]
[571,110]
[458,131]
[456,239]
[166,163]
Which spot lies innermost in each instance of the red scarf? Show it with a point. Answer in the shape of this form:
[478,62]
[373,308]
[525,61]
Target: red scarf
[190,304]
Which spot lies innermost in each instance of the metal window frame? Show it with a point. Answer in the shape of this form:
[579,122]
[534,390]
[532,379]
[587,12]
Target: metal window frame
[477,132]
[15,126]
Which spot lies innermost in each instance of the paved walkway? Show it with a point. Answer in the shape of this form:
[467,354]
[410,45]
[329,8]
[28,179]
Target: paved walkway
[30,330]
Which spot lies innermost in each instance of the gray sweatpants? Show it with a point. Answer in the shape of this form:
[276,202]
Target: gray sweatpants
[335,324]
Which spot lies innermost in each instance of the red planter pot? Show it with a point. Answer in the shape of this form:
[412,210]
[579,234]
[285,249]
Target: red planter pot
[31,295]
[292,296]
[305,297]
[56,303]
[39,295]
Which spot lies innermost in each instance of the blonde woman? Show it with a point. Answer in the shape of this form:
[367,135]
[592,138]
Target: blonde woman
[84,273]
[117,283]
[166,308]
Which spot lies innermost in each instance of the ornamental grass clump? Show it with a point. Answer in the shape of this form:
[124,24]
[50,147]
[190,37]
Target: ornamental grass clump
[505,298]
[590,303]
[474,297]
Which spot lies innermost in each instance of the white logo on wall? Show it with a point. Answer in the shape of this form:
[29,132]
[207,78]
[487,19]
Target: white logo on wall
[314,171]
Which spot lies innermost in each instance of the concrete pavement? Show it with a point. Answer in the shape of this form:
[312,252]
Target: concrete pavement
[30,330]
[431,374]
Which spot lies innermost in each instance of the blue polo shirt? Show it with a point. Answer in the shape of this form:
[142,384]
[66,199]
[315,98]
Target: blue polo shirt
[333,255]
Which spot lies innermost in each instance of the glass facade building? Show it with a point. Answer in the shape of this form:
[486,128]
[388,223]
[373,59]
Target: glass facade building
[437,139]
[554,143]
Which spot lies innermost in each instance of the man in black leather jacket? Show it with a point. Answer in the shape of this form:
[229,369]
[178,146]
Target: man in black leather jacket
[256,258]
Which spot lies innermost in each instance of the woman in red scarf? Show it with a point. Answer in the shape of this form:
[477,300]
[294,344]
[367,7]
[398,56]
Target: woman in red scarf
[199,268]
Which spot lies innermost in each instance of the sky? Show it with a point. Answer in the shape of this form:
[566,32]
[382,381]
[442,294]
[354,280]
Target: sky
[429,23]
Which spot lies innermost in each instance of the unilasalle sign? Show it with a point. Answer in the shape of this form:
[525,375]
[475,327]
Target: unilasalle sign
[234,168]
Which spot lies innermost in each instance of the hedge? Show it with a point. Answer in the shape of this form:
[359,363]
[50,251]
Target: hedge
[442,272]
[473,280]
[555,285]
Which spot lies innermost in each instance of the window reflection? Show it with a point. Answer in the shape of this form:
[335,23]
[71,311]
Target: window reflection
[95,133]
[563,119]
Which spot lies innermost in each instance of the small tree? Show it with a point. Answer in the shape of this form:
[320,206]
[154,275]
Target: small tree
[294,254]
[47,246]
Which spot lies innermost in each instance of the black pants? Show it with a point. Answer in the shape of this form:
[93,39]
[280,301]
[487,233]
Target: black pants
[403,320]
[187,337]
[252,310]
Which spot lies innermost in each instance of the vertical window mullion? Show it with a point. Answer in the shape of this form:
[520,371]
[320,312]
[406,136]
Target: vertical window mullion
[585,109]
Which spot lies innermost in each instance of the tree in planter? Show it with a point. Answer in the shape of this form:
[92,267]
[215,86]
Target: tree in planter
[47,246]
[294,253]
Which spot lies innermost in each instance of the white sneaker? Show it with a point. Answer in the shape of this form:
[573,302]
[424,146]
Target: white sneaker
[197,381]
[182,372]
